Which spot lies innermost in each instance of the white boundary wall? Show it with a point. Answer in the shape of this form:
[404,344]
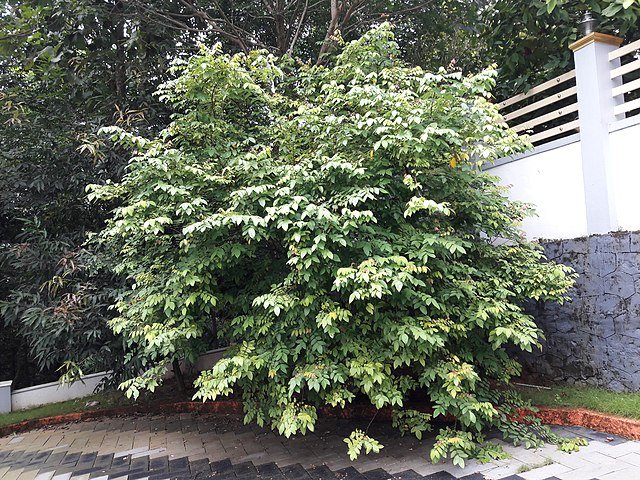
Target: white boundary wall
[54,392]
[551,178]
[625,149]
[204,362]
[11,401]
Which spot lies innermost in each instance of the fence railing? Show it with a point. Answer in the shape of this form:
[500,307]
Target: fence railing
[547,111]
[627,75]
[551,110]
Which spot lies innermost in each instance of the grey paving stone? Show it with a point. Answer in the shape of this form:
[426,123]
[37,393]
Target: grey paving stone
[440,476]
[70,459]
[179,464]
[410,475]
[118,462]
[322,472]
[222,467]
[161,463]
[268,470]
[42,457]
[245,470]
[295,472]
[199,466]
[377,474]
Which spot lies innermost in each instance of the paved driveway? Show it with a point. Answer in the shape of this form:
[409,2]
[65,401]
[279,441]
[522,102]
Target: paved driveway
[192,446]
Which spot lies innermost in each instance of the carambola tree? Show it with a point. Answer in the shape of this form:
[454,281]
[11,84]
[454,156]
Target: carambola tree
[334,224]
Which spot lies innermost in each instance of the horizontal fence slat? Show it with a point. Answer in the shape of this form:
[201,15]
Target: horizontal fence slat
[538,89]
[561,112]
[626,87]
[556,97]
[624,69]
[632,47]
[552,132]
[626,107]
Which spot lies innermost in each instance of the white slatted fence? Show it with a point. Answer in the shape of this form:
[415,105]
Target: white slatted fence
[547,111]
[628,93]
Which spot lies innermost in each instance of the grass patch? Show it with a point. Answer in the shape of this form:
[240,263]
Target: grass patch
[105,400]
[527,468]
[620,404]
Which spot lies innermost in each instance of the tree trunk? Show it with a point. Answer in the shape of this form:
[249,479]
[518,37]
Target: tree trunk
[20,364]
[119,70]
[331,30]
[282,36]
[177,371]
[214,331]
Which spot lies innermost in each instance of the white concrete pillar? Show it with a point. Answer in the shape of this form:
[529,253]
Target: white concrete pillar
[595,108]
[5,397]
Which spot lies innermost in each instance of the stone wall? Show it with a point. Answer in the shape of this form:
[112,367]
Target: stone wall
[595,338]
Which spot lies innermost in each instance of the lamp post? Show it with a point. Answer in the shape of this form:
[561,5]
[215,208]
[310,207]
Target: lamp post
[588,24]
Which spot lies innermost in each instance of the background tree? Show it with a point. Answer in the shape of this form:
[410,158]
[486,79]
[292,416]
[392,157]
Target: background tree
[65,70]
[310,29]
[529,40]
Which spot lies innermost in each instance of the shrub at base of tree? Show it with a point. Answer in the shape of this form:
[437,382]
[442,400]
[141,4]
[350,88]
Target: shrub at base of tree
[333,221]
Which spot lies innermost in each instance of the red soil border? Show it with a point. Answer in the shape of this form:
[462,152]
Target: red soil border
[581,417]
[550,415]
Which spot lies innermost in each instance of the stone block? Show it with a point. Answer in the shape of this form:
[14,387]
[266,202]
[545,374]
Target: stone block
[576,245]
[605,327]
[628,262]
[616,242]
[615,386]
[587,285]
[553,250]
[610,304]
[619,284]
[577,261]
[632,306]
[601,264]
[627,326]
[565,326]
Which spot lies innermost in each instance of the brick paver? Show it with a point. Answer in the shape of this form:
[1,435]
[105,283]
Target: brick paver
[192,446]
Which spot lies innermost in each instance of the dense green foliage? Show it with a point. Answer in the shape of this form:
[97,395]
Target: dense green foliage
[334,222]
[68,68]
